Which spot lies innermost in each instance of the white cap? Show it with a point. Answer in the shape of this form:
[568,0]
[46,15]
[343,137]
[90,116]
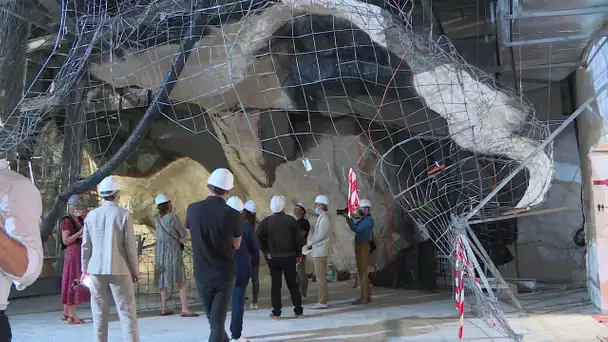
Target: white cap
[250,206]
[221,178]
[161,198]
[322,199]
[365,203]
[277,203]
[235,203]
[109,185]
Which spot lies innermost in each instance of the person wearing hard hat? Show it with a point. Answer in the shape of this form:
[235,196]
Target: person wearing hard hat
[242,256]
[364,246]
[109,258]
[281,244]
[20,243]
[250,216]
[216,232]
[71,240]
[320,243]
[304,228]
[169,267]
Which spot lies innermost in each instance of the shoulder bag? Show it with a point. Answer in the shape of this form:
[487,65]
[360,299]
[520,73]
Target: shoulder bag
[181,245]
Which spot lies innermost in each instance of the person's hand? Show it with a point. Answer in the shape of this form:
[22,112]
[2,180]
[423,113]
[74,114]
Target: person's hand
[82,276]
[298,260]
[268,256]
[136,278]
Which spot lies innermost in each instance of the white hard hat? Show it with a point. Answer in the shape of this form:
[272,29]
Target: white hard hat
[161,198]
[221,178]
[277,203]
[109,185]
[365,203]
[235,203]
[322,199]
[250,206]
[301,205]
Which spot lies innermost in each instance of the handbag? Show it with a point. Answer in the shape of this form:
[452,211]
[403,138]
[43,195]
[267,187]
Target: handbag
[181,245]
[372,244]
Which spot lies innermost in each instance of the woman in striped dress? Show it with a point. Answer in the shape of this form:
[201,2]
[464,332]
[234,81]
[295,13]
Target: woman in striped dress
[169,267]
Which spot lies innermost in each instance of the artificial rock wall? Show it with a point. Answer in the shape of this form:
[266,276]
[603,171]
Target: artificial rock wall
[184,181]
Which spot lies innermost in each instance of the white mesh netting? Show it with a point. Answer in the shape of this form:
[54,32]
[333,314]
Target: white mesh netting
[272,81]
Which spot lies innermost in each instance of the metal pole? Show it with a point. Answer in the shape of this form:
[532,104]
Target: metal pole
[527,213]
[540,147]
[471,256]
[489,264]
[544,14]
[553,39]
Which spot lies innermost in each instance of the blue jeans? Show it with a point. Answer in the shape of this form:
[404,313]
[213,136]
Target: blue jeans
[215,297]
[238,310]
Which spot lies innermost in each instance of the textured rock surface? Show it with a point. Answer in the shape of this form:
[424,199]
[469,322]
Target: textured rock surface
[184,182]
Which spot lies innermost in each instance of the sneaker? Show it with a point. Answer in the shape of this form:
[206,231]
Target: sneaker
[240,339]
[320,306]
[273,316]
[253,306]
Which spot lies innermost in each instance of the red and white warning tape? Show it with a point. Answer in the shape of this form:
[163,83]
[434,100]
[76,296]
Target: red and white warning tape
[459,274]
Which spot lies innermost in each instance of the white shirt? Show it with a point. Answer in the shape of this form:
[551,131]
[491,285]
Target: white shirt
[20,211]
[108,242]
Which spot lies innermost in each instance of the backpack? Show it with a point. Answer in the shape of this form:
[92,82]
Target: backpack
[74,225]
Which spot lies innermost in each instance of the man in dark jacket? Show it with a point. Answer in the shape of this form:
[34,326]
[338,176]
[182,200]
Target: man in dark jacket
[281,243]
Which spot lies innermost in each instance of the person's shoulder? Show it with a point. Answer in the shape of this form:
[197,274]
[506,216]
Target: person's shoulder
[198,204]
[326,216]
[170,217]
[19,185]
[195,207]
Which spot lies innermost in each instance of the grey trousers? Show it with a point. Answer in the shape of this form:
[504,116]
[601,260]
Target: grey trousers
[303,277]
[124,297]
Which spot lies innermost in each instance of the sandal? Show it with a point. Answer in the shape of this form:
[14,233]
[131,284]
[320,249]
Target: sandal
[64,317]
[189,314]
[166,313]
[75,320]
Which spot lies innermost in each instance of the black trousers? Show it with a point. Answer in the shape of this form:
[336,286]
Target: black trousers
[216,297]
[255,278]
[5,328]
[279,267]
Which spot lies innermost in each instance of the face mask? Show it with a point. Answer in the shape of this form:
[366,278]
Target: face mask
[317,211]
[77,213]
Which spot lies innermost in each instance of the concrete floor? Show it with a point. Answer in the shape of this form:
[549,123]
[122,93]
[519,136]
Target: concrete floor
[395,315]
